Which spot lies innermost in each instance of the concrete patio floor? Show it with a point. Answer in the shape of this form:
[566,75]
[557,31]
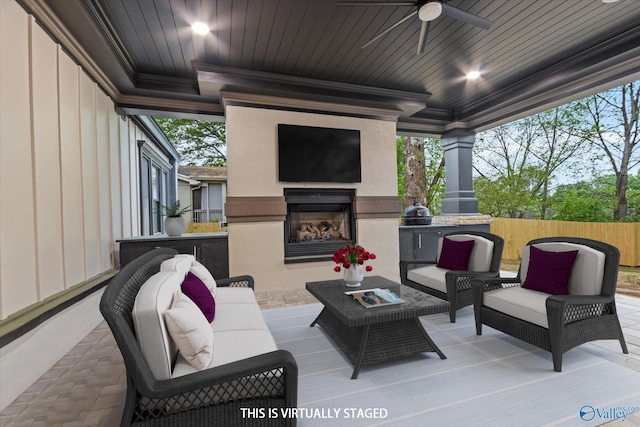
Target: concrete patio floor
[87,386]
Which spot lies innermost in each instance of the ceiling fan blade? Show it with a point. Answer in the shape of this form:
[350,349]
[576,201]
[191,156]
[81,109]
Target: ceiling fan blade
[412,14]
[467,17]
[372,3]
[424,31]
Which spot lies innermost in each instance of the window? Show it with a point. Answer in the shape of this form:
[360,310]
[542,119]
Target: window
[145,201]
[153,192]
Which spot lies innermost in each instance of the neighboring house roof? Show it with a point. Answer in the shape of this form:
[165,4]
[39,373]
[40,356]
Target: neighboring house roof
[204,173]
[188,180]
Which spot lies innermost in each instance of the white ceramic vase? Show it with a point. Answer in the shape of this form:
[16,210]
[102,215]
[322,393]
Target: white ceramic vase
[174,226]
[353,275]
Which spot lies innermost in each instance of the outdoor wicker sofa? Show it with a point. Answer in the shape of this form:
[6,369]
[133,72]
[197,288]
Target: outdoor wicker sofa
[455,285]
[553,322]
[212,396]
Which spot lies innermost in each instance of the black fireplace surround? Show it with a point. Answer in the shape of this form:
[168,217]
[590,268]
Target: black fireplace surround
[318,223]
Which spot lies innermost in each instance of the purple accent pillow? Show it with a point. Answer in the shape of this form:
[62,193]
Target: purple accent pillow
[549,272]
[455,254]
[195,289]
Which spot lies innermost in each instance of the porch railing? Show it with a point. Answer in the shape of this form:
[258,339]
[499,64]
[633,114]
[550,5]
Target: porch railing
[207,215]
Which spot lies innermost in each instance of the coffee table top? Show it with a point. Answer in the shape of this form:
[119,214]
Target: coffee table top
[331,293]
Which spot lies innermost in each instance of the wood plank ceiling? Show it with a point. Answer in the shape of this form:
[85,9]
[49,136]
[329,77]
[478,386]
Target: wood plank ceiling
[536,52]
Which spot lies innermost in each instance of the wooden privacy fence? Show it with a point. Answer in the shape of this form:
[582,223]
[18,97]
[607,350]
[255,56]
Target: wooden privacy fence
[517,232]
[204,227]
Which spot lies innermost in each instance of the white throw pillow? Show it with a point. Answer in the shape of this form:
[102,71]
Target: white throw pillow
[190,331]
[205,275]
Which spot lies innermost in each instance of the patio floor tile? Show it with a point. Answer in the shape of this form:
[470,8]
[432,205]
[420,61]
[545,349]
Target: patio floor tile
[87,386]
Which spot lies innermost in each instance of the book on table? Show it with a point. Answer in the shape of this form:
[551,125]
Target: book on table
[377,297]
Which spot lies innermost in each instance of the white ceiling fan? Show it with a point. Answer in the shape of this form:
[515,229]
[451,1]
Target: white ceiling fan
[427,11]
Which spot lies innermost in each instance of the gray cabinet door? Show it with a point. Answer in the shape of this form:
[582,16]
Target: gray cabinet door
[425,244]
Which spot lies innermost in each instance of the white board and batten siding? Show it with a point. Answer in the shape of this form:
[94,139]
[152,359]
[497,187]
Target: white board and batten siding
[68,168]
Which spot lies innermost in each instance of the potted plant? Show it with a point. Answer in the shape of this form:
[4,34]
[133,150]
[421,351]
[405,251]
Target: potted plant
[174,224]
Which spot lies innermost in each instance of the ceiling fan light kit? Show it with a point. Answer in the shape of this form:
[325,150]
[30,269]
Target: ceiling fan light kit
[427,12]
[430,11]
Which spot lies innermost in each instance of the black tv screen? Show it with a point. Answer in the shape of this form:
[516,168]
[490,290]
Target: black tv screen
[315,154]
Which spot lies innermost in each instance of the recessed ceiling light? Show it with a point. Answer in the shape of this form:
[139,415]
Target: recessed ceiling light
[200,28]
[609,1]
[473,75]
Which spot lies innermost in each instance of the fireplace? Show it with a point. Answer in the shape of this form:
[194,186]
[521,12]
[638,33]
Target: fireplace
[318,223]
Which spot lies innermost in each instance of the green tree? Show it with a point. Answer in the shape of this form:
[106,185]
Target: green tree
[432,169]
[560,140]
[199,142]
[400,164]
[510,195]
[615,131]
[415,178]
[586,201]
[524,157]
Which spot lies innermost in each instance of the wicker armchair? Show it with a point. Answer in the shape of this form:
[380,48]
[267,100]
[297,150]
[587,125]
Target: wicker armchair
[588,313]
[455,286]
[208,397]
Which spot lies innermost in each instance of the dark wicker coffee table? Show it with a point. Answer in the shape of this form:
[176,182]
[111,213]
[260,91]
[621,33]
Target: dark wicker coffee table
[372,335]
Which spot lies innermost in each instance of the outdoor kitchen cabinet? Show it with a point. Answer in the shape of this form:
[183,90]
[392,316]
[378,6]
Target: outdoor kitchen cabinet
[421,241]
[210,249]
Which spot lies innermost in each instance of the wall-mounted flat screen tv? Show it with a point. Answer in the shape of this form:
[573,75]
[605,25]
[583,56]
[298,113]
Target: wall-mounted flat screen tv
[315,154]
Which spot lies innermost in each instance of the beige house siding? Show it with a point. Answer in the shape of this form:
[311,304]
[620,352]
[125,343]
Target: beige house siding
[184,195]
[211,183]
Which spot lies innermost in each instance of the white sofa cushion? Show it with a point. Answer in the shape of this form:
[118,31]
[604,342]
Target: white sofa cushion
[238,330]
[480,258]
[190,331]
[205,275]
[525,304]
[430,276]
[154,298]
[238,317]
[230,295]
[231,346]
[184,263]
[180,263]
[588,269]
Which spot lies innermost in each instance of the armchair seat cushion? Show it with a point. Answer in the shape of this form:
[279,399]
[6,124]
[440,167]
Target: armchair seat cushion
[525,304]
[432,277]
